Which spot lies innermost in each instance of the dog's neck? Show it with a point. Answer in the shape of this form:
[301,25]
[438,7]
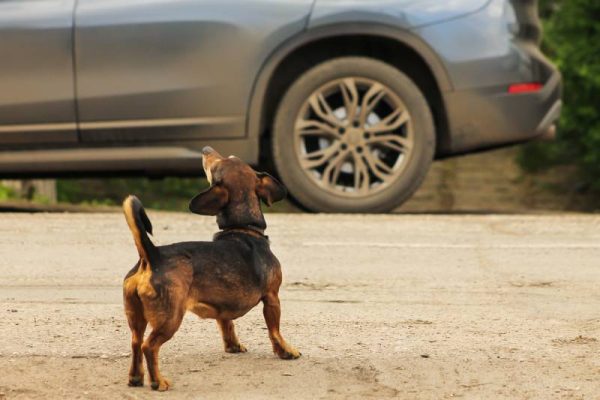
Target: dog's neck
[247,229]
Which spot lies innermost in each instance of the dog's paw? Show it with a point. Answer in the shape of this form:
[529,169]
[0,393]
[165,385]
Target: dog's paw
[289,353]
[136,381]
[238,348]
[161,386]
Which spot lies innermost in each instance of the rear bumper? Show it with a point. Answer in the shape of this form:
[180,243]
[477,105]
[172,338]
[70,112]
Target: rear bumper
[491,117]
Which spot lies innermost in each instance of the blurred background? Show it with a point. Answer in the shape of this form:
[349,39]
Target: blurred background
[563,174]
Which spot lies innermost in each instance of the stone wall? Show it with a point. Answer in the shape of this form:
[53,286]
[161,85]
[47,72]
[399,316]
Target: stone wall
[493,182]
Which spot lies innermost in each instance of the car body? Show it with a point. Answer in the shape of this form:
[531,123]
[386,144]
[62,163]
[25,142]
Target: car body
[137,87]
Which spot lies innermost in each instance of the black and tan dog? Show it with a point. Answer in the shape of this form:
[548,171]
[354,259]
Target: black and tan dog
[222,279]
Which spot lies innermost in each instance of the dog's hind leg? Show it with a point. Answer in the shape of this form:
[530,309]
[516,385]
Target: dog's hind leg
[151,346]
[137,323]
[230,339]
[272,313]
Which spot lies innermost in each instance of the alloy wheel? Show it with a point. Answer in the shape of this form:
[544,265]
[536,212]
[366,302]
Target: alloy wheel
[353,136]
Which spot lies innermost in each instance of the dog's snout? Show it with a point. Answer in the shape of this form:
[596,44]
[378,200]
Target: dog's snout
[206,150]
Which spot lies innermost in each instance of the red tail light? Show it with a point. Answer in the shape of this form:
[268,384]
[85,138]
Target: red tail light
[525,87]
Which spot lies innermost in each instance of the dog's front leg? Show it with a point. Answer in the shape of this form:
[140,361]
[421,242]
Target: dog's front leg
[272,313]
[230,339]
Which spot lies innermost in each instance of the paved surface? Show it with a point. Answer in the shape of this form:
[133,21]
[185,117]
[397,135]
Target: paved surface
[380,306]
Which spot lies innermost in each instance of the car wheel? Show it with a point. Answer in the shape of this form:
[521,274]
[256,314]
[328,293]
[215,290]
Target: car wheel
[353,134]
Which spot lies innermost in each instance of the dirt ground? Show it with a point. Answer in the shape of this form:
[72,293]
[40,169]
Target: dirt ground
[408,307]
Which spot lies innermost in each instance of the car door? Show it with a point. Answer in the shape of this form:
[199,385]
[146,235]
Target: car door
[37,96]
[174,69]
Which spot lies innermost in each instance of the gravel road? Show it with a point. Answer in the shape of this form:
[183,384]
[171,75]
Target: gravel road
[399,306]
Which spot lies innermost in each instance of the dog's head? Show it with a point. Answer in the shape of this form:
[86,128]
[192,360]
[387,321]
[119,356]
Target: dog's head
[235,191]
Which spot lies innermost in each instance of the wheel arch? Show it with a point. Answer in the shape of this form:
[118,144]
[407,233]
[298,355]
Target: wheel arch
[400,48]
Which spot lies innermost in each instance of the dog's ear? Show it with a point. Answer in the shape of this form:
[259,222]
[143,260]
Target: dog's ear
[269,189]
[211,201]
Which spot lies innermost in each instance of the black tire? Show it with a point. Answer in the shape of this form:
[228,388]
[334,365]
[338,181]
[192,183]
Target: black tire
[307,192]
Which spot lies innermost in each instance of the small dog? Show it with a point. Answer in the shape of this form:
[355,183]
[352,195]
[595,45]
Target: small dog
[222,279]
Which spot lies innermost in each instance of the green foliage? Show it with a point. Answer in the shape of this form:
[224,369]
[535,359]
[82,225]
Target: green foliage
[572,40]
[173,194]
[7,193]
[167,194]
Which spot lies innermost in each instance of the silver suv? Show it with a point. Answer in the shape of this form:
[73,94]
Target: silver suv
[349,101]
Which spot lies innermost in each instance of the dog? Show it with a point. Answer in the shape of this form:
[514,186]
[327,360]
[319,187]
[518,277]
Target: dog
[222,279]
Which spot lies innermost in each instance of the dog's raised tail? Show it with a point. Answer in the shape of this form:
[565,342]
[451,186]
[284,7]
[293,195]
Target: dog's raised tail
[140,226]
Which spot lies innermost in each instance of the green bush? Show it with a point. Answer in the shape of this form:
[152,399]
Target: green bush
[7,193]
[173,194]
[572,41]
[167,194]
